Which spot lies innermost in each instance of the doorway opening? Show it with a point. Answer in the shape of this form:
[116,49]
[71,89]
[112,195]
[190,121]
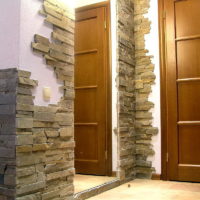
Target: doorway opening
[93,102]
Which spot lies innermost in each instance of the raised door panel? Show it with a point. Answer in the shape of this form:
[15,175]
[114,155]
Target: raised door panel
[187,18]
[86,106]
[189,140]
[88,148]
[188,57]
[86,34]
[86,69]
[189,101]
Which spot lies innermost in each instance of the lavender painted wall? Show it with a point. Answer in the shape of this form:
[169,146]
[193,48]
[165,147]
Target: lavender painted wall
[9,33]
[31,23]
[19,22]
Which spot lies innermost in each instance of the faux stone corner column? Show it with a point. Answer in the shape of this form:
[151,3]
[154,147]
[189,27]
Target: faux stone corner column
[135,79]
[126,90]
[144,79]
[8,85]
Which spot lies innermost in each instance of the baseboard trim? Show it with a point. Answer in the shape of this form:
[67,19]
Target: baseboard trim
[156,177]
[114,174]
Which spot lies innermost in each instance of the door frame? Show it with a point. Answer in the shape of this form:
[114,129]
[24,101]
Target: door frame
[108,141]
[163,90]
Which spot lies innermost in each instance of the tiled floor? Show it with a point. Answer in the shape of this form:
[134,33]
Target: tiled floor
[152,190]
[84,182]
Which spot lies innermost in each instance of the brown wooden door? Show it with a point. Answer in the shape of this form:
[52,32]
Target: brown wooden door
[183,88]
[90,87]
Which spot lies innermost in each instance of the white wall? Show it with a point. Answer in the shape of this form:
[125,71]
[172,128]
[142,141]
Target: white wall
[152,44]
[114,86]
[33,23]
[80,3]
[9,33]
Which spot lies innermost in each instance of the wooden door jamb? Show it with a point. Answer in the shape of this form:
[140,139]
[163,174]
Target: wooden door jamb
[164,134]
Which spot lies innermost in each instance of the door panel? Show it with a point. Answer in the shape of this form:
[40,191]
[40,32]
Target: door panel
[187,15]
[86,105]
[90,87]
[189,101]
[87,148]
[183,88]
[188,56]
[186,149]
[86,75]
[87,39]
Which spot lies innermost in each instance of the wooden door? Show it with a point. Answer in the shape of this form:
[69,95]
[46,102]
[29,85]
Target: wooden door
[183,88]
[91,91]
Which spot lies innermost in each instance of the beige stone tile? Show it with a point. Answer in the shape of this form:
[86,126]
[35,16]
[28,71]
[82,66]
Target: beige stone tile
[84,182]
[191,187]
[152,190]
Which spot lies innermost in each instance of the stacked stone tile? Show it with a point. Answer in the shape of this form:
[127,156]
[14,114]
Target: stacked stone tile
[8,82]
[27,178]
[59,52]
[44,147]
[135,79]
[144,79]
[53,130]
[126,97]
[37,143]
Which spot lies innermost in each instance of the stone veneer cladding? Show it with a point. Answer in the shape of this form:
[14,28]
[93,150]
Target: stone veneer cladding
[44,147]
[8,84]
[144,79]
[37,143]
[135,79]
[125,84]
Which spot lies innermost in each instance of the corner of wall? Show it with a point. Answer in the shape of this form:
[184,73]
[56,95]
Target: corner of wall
[37,142]
[144,80]
[125,84]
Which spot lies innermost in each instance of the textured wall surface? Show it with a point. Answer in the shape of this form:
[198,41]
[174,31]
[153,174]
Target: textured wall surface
[8,84]
[33,62]
[135,79]
[144,79]
[37,142]
[125,82]
[44,146]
